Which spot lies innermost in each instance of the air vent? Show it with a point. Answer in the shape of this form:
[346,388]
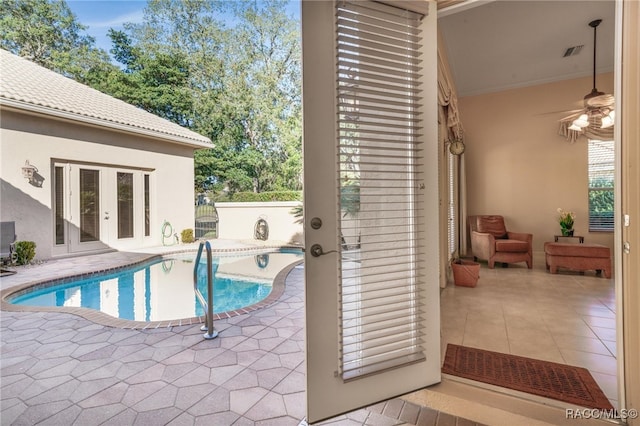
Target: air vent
[572,51]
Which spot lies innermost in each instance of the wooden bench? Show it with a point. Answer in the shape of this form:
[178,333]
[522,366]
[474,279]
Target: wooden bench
[578,257]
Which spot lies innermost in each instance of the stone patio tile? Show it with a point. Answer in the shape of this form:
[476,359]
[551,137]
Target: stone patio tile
[163,398]
[18,365]
[98,415]
[36,387]
[136,393]
[10,413]
[296,404]
[107,370]
[252,330]
[248,344]
[61,392]
[215,402]
[279,421]
[271,377]
[220,375]
[160,354]
[126,417]
[150,374]
[64,417]
[157,417]
[268,361]
[202,355]
[102,352]
[87,366]
[246,358]
[231,341]
[292,360]
[271,406]
[268,344]
[87,389]
[243,399]
[90,336]
[245,379]
[185,356]
[224,418]
[139,353]
[292,383]
[130,368]
[184,419]
[198,375]
[37,413]
[375,419]
[188,396]
[17,349]
[223,359]
[286,347]
[15,385]
[243,421]
[56,336]
[108,396]
[175,371]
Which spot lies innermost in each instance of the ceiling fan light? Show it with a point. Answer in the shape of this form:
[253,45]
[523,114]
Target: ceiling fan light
[607,121]
[574,127]
[612,114]
[582,121]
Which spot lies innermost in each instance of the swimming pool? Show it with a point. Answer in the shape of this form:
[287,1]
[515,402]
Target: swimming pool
[162,289]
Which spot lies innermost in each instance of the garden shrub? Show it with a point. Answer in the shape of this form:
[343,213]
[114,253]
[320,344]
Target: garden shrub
[24,252]
[187,236]
[245,197]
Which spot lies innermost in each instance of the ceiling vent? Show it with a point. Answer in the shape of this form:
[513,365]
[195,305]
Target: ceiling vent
[572,51]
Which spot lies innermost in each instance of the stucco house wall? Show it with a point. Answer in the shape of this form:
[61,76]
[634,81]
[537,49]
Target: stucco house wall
[37,130]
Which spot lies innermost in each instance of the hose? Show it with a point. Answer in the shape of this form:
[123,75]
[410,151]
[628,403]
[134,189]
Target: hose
[166,225]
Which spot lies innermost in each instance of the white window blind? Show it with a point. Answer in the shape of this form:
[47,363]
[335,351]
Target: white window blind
[380,186]
[601,181]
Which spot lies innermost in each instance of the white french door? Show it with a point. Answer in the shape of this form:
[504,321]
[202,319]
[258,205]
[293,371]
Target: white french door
[98,207]
[371,202]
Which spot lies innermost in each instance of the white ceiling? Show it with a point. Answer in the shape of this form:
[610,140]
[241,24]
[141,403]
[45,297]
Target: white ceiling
[505,44]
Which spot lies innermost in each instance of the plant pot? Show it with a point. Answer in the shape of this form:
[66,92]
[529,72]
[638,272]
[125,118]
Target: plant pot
[465,273]
[567,232]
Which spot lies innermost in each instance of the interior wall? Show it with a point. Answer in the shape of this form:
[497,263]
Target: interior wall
[519,167]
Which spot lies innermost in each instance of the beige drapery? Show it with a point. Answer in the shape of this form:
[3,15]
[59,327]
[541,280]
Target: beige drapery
[450,128]
[590,132]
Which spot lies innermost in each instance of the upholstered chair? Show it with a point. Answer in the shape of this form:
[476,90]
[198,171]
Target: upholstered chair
[491,241]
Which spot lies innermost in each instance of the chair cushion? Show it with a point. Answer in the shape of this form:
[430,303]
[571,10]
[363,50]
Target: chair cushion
[577,250]
[493,225]
[512,246]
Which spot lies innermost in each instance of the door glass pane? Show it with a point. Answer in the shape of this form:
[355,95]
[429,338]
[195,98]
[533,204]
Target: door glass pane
[59,204]
[125,205]
[89,205]
[147,221]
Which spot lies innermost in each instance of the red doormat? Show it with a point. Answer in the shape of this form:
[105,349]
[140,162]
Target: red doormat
[562,382]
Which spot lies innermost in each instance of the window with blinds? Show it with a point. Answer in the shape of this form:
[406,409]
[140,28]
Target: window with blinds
[380,186]
[601,181]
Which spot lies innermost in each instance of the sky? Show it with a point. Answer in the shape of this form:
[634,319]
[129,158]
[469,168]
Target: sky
[100,15]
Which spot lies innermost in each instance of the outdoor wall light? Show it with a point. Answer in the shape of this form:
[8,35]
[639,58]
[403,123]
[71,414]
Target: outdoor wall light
[30,173]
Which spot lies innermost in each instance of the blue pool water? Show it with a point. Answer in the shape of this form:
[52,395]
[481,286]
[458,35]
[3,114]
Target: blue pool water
[162,289]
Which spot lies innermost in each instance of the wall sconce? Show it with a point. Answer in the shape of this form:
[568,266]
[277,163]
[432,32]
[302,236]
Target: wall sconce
[30,173]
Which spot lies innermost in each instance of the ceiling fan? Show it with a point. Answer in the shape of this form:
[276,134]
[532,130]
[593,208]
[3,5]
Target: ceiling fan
[598,114]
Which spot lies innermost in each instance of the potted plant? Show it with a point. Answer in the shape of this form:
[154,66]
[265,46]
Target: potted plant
[566,220]
[465,272]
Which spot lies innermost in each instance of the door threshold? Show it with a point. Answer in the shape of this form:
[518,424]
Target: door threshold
[492,405]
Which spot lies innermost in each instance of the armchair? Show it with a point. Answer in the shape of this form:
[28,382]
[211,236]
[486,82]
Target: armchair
[491,241]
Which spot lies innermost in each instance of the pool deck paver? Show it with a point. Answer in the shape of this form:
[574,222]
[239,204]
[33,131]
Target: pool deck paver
[61,369]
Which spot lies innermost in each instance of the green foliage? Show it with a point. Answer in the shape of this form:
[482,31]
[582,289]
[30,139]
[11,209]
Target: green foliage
[47,32]
[298,213]
[244,197]
[186,236]
[24,252]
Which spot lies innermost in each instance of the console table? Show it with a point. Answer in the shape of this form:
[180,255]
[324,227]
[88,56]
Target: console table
[579,237]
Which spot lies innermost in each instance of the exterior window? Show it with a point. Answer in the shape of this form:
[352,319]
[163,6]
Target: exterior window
[147,221]
[125,205]
[59,204]
[89,205]
[601,181]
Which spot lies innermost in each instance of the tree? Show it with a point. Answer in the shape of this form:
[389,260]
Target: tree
[47,32]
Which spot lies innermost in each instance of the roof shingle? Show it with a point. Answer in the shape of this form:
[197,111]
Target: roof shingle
[26,85]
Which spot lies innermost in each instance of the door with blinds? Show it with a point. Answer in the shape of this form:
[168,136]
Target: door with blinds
[371,202]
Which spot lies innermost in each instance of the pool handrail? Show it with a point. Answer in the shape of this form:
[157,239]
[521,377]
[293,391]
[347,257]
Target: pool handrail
[211,332]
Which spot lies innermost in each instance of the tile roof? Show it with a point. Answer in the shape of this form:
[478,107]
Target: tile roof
[26,85]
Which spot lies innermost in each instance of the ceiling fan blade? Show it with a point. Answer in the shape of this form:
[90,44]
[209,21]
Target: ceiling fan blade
[563,111]
[601,101]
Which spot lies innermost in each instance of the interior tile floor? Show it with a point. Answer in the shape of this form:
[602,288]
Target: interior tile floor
[567,318]
[57,368]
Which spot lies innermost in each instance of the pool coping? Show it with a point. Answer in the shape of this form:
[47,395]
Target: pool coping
[98,317]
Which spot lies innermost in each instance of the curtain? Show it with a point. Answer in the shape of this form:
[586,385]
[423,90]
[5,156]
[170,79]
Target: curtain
[450,128]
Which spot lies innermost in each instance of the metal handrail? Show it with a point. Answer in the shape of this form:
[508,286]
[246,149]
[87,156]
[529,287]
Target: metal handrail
[211,333]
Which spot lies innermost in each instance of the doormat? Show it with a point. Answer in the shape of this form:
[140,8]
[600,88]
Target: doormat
[561,382]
